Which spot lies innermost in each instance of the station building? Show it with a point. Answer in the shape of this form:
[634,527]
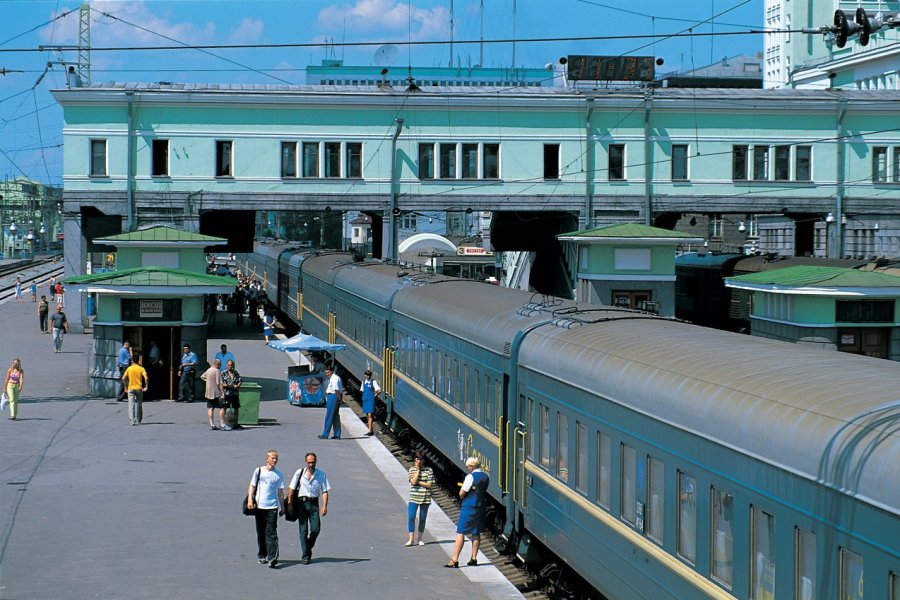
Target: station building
[806,172]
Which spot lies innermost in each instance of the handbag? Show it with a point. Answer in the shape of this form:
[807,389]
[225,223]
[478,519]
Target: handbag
[290,509]
[4,402]
[250,512]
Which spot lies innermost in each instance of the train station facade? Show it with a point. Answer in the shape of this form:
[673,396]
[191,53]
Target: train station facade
[795,172]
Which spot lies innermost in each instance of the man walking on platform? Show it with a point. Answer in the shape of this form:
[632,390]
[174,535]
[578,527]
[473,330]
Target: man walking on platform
[333,391]
[265,496]
[135,381]
[214,393]
[311,487]
[186,375]
[123,361]
[60,326]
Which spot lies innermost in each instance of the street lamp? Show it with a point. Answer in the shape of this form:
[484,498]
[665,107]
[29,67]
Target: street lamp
[29,239]
[43,232]
[12,234]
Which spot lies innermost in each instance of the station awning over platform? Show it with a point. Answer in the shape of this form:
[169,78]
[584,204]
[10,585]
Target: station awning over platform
[302,341]
[158,281]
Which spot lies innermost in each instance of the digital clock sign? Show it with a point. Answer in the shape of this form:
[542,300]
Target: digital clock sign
[610,68]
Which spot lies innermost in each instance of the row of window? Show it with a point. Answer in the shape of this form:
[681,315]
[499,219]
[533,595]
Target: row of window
[453,160]
[362,328]
[647,512]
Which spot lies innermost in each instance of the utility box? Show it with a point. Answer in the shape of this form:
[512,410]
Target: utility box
[249,413]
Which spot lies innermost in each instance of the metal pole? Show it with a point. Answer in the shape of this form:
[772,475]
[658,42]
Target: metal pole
[392,204]
[129,177]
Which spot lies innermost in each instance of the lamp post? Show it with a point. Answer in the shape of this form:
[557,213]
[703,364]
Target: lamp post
[12,234]
[29,240]
[43,233]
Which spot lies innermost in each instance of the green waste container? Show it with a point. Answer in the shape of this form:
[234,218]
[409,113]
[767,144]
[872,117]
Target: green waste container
[249,414]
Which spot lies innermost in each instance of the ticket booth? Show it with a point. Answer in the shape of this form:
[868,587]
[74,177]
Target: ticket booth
[154,297]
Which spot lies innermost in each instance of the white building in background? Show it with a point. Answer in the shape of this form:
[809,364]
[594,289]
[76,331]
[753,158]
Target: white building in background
[814,60]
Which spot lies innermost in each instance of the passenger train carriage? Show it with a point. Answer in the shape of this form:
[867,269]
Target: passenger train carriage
[646,457]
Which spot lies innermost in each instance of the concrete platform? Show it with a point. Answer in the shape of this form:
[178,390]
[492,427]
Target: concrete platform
[95,508]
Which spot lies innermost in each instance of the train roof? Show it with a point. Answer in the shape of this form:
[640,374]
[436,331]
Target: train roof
[828,416]
[706,259]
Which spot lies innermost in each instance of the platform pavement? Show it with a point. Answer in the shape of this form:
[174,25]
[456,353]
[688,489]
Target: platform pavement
[94,508]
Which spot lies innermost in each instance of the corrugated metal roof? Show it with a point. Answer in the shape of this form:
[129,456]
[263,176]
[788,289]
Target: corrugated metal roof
[629,230]
[160,233]
[152,276]
[806,275]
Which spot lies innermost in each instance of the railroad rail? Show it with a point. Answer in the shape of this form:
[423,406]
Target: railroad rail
[38,270]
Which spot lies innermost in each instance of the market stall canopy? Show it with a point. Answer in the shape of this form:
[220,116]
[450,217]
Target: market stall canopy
[302,341]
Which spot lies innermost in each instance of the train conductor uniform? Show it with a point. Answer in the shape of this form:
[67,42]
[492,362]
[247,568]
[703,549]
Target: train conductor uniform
[333,391]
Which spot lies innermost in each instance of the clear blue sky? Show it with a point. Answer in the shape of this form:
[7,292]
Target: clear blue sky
[31,122]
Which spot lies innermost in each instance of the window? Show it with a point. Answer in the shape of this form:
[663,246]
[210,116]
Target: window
[879,164]
[739,162]
[629,481]
[604,468]
[687,517]
[803,163]
[629,299]
[896,174]
[223,159]
[864,311]
[288,159]
[851,574]
[581,468]
[762,555]
[467,401]
[656,498]
[722,555]
[679,162]
[545,437]
[490,168]
[354,159]
[98,158]
[160,158]
[616,161]
[562,446]
[782,163]
[310,159]
[448,160]
[760,163]
[426,161]
[895,586]
[805,584]
[469,164]
[332,159]
[551,161]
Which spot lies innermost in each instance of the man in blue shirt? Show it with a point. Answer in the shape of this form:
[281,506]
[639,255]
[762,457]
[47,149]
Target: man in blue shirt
[123,361]
[224,356]
[186,373]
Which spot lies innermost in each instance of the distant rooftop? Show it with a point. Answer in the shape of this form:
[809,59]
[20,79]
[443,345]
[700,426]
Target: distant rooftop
[821,278]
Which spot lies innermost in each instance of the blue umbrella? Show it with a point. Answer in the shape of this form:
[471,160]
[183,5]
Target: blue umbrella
[302,341]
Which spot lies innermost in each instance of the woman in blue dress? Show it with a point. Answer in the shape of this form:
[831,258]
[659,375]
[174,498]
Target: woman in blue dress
[370,391]
[471,514]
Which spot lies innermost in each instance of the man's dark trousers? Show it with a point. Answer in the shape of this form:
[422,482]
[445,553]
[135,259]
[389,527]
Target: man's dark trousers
[310,525]
[267,533]
[186,386]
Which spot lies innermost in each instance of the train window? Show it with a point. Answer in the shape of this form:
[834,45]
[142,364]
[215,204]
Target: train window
[528,419]
[431,373]
[629,481]
[545,437]
[762,555]
[687,517]
[805,584]
[604,467]
[488,408]
[448,380]
[851,574]
[581,468]
[656,498]
[467,398]
[456,384]
[722,543]
[895,586]
[562,446]
[498,403]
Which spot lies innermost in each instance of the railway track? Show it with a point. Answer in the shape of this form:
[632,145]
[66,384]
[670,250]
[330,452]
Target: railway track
[37,270]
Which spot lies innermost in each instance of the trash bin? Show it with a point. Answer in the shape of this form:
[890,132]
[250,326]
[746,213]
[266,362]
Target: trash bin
[249,414]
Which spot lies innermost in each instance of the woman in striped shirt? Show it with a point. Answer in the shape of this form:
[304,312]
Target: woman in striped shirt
[421,480]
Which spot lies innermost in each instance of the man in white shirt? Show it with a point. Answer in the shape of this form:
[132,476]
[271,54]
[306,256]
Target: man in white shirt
[266,496]
[309,503]
[333,391]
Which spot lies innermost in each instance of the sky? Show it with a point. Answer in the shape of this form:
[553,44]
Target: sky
[35,35]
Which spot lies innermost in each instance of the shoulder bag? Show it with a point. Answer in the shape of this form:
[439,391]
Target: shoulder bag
[250,512]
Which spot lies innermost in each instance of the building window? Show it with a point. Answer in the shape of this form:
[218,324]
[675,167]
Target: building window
[408,221]
[762,555]
[288,159]
[562,446]
[656,498]
[760,163]
[803,163]
[545,437]
[896,174]
[616,164]
[687,517]
[448,160]
[679,162]
[332,159]
[629,298]
[354,159]
[310,159]
[426,161]
[879,164]
[722,556]
[160,158]
[581,468]
[490,168]
[469,166]
[223,159]
[805,584]
[628,490]
[851,574]
[551,161]
[895,586]
[98,158]
[864,311]
[604,468]
[739,162]
[782,163]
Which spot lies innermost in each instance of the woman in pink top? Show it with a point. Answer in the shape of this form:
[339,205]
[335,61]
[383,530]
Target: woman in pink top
[12,385]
